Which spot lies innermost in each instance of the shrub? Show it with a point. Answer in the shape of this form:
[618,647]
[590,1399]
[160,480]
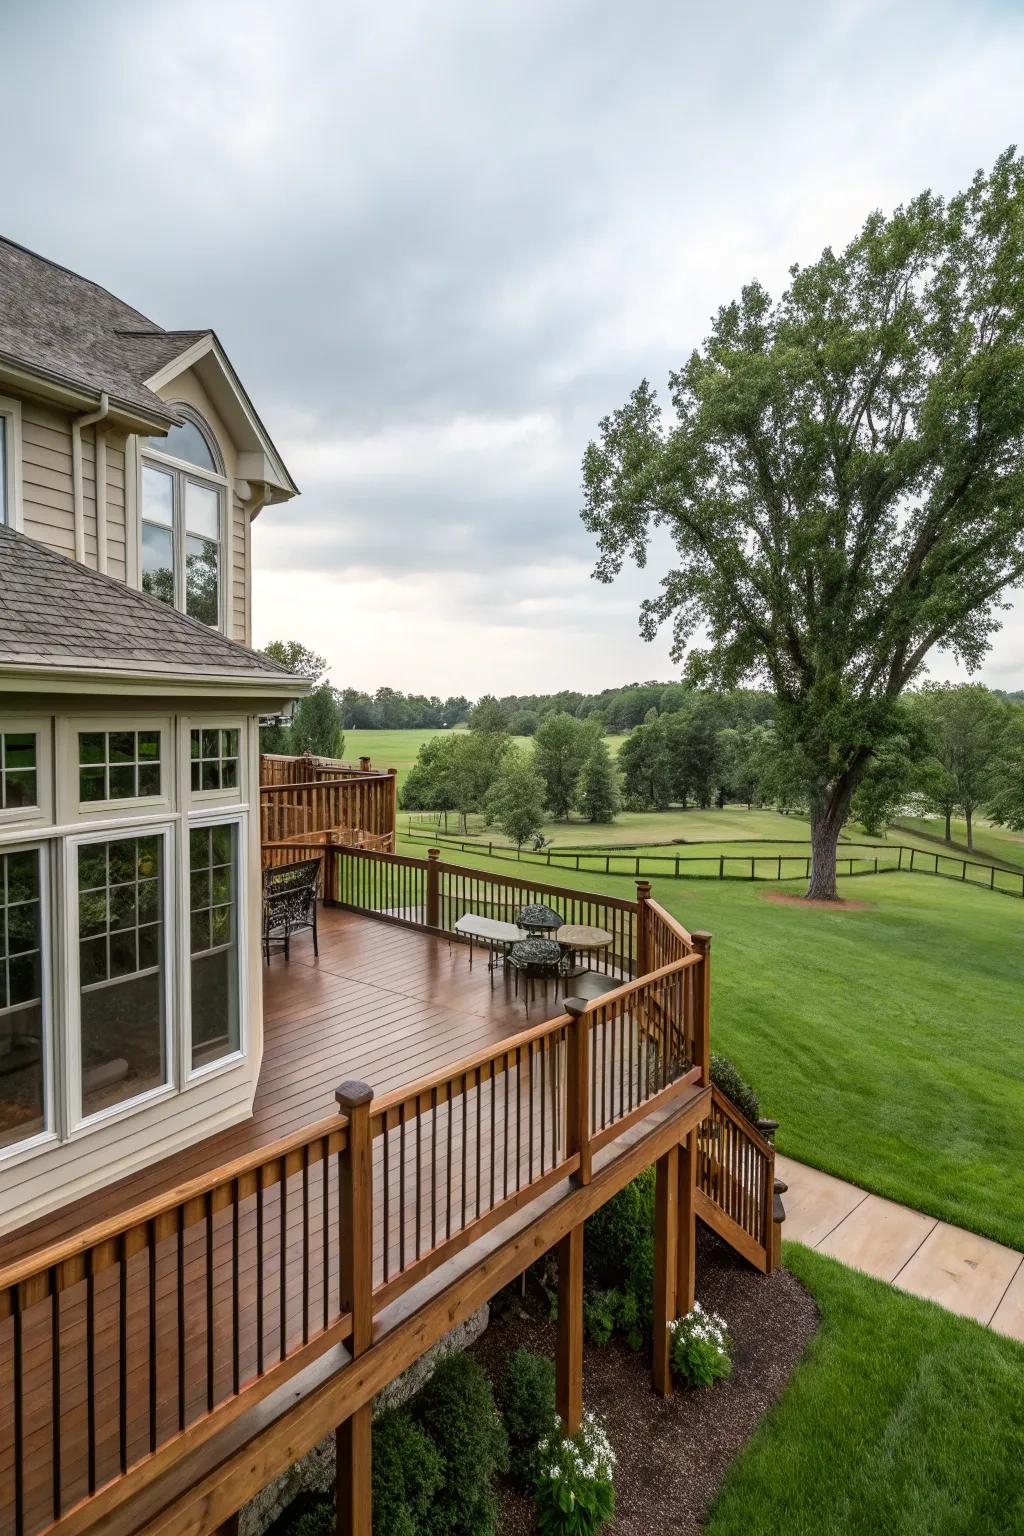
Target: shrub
[619,1250]
[456,1409]
[527,1401]
[700,1349]
[600,1314]
[575,1493]
[726,1078]
[407,1472]
[316,1521]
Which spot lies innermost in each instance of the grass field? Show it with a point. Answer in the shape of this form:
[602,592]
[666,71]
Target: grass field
[888,1042]
[901,1420]
[989,842]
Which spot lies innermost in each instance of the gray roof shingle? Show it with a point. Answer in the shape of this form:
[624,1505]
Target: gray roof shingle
[54,320]
[57,613]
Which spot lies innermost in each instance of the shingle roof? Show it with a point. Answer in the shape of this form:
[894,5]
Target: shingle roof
[52,319]
[57,613]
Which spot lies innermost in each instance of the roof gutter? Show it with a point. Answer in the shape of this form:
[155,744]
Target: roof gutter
[78,493]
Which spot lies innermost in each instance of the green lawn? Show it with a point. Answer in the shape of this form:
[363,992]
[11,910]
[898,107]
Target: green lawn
[888,1042]
[989,842]
[901,1420]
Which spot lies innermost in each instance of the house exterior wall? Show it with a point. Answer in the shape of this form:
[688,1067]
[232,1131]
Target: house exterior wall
[47,510]
[70,1159]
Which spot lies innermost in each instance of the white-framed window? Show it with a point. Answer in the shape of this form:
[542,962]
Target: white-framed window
[19,770]
[10,462]
[120,947]
[215,758]
[183,510]
[26,1096]
[216,1024]
[119,765]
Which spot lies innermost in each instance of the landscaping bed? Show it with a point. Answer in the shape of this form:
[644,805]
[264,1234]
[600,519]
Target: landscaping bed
[672,1453]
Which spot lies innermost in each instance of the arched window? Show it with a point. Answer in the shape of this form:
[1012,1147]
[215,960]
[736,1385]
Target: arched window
[183,501]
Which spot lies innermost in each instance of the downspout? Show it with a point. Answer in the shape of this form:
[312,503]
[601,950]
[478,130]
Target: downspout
[78,492]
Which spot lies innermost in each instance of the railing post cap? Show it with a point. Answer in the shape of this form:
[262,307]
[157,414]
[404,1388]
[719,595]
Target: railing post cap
[575,1007]
[433,853]
[643,887]
[701,937]
[353,1094]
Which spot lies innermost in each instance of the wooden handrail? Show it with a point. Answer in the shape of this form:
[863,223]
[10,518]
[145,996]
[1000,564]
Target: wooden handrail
[355,777]
[671,923]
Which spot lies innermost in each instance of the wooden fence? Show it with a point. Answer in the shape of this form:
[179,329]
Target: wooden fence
[885,859]
[125,1347]
[362,804]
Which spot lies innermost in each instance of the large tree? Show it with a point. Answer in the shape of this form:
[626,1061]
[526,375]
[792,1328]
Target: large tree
[562,746]
[842,479]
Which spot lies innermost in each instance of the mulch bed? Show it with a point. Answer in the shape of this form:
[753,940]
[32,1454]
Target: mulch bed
[672,1454]
[787,899]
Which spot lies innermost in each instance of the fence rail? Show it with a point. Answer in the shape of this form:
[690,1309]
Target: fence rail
[890,859]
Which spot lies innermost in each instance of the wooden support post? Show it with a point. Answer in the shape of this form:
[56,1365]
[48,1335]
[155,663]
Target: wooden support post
[702,1001]
[643,929]
[364,765]
[577,1087]
[393,802]
[686,1250]
[433,891]
[666,1213]
[352,1440]
[569,1353]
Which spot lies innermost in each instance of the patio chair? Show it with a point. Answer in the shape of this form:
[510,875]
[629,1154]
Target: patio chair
[289,904]
[533,959]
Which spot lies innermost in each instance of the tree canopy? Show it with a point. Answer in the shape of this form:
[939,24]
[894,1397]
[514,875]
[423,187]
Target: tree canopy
[842,478]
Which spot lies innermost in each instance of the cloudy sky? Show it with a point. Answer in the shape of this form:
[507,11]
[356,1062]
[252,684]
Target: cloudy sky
[440,240]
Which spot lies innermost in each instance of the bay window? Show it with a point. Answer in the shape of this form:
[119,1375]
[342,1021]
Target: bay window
[183,509]
[23,1112]
[213,942]
[122,969]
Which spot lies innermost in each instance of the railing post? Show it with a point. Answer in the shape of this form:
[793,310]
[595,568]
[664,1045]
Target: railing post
[577,1087]
[702,1007]
[330,892]
[364,765]
[433,892]
[643,927]
[393,813]
[352,1439]
[666,1240]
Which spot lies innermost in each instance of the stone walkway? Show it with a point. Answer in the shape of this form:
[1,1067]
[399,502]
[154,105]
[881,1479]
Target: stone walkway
[968,1274]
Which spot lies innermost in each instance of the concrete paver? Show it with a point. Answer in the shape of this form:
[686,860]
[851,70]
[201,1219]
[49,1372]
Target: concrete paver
[879,1237]
[963,1272]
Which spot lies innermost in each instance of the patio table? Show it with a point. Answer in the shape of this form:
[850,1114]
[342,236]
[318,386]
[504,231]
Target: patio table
[491,931]
[579,937]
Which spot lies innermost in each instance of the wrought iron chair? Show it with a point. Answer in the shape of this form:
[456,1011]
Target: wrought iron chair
[289,904]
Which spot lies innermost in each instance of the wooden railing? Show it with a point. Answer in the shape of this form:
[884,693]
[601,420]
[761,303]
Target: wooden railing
[279,768]
[301,809]
[126,1346]
[427,893]
[736,1181]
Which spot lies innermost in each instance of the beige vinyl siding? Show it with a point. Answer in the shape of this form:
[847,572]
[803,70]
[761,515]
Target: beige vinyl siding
[48,486]
[47,499]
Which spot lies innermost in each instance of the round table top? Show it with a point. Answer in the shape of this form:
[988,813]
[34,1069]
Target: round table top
[538,916]
[536,952]
[580,936]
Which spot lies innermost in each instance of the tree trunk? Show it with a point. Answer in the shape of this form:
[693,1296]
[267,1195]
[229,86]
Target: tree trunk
[826,825]
[949,826]
[969,813]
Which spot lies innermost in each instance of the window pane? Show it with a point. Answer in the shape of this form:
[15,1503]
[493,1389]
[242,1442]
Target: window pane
[201,581]
[92,784]
[185,442]
[19,788]
[202,510]
[92,747]
[22,1083]
[121,965]
[19,750]
[214,937]
[158,563]
[157,496]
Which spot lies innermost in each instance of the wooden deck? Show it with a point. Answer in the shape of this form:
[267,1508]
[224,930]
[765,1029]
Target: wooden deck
[383,1004]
